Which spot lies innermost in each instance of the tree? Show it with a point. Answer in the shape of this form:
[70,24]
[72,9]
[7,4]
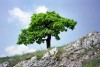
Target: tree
[43,26]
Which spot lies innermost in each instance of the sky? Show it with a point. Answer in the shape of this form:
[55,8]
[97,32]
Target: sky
[15,15]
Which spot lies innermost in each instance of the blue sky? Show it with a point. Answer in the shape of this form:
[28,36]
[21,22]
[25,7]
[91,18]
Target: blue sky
[15,15]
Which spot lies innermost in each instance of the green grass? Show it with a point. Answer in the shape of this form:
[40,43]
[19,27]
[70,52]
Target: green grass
[13,60]
[60,52]
[3,59]
[94,63]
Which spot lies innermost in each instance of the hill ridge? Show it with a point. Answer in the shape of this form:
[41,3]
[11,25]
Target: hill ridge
[81,53]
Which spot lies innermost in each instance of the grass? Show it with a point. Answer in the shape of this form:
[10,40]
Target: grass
[13,60]
[60,52]
[94,63]
[95,49]
[3,59]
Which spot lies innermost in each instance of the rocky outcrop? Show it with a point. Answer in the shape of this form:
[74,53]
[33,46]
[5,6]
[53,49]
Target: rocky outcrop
[5,64]
[27,63]
[72,55]
[51,53]
[84,49]
[47,60]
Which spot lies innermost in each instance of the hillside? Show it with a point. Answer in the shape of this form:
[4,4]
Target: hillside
[85,52]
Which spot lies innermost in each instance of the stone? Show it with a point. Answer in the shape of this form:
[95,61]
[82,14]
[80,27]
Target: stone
[73,56]
[33,58]
[5,64]
[52,52]
[46,55]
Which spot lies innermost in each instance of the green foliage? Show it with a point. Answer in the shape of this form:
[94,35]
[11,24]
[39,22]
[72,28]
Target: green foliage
[4,59]
[94,63]
[42,25]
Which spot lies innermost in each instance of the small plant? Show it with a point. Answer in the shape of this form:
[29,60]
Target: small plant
[39,54]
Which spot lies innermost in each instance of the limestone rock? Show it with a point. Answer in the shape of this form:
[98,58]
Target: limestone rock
[84,49]
[5,64]
[51,52]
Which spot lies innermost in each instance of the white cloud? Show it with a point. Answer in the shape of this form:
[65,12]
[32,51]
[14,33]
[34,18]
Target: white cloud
[18,49]
[2,56]
[41,9]
[22,16]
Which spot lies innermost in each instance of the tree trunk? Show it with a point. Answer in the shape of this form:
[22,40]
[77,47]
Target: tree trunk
[48,40]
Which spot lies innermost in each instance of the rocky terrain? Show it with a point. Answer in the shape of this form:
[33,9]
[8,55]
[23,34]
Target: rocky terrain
[76,54]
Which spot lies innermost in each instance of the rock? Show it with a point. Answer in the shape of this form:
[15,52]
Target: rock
[33,58]
[46,55]
[84,49]
[52,52]
[5,64]
[98,45]
[69,49]
[27,63]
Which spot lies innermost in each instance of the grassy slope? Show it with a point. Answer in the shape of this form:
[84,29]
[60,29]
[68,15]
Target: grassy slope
[18,58]
[94,63]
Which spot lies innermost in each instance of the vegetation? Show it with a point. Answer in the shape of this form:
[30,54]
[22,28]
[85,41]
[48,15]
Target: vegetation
[13,60]
[43,26]
[60,52]
[95,49]
[94,63]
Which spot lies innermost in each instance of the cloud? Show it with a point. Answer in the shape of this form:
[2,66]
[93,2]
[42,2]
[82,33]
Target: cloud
[22,16]
[41,9]
[18,49]
[2,56]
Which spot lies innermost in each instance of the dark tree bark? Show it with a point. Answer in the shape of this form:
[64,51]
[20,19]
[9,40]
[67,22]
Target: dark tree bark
[48,40]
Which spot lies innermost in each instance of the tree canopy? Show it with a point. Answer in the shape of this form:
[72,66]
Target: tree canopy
[43,26]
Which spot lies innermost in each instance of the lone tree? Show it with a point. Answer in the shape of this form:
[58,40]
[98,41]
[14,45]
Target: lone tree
[43,26]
